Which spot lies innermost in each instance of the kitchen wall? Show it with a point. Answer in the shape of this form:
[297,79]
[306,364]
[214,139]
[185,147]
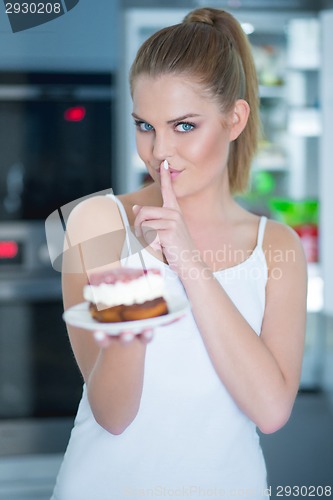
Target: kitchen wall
[85,38]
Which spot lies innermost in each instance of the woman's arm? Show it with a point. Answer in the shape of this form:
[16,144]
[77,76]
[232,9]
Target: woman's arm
[261,373]
[114,374]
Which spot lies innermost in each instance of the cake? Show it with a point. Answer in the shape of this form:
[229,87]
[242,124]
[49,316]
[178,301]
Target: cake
[125,294]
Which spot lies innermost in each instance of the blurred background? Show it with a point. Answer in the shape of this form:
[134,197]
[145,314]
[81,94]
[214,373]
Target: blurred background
[66,132]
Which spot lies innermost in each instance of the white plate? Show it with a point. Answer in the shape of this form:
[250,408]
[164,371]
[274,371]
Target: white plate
[80,317]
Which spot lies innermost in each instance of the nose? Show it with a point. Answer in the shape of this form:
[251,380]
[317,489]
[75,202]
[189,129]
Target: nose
[162,146]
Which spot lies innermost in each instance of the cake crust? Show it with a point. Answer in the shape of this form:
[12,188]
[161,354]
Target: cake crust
[116,314]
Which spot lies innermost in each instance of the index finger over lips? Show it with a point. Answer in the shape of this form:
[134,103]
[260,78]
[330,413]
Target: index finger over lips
[168,194]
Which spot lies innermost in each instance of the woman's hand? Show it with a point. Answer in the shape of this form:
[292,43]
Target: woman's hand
[104,340]
[126,337]
[163,228]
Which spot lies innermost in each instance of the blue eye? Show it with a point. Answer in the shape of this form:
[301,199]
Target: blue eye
[143,126]
[185,127]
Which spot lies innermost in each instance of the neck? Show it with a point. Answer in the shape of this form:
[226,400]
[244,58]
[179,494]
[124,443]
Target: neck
[210,205]
[215,203]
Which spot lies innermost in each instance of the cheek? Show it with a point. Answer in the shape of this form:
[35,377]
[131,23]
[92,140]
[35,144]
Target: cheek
[142,146]
[211,149]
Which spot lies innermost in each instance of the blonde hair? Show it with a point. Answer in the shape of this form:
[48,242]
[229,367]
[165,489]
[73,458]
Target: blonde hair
[211,46]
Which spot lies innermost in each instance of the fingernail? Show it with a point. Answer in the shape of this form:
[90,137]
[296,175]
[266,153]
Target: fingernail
[166,164]
[134,207]
[127,337]
[148,334]
[99,336]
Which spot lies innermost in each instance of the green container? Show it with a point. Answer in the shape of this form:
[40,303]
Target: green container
[295,212]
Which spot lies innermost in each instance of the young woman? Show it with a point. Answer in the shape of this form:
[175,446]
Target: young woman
[177,416]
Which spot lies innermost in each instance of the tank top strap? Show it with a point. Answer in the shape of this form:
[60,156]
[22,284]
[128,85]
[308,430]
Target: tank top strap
[127,243]
[261,231]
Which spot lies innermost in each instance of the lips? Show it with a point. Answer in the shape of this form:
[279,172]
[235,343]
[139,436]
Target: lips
[172,170]
[174,174]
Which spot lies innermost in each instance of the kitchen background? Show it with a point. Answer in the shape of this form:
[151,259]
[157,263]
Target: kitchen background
[66,132]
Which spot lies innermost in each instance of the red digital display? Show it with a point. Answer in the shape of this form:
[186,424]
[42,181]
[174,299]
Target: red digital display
[75,114]
[8,249]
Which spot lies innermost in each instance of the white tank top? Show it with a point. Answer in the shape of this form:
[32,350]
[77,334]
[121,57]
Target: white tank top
[189,438]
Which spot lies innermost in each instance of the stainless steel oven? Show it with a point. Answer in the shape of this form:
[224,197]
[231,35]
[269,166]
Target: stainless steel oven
[37,370]
[39,379]
[55,140]
[56,146]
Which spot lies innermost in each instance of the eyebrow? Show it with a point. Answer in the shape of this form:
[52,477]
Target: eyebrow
[179,119]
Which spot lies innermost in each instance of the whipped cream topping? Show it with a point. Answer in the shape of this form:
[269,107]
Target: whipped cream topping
[148,287]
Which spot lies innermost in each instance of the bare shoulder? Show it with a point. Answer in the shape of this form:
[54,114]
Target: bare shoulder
[283,248]
[95,236]
[278,235]
[93,216]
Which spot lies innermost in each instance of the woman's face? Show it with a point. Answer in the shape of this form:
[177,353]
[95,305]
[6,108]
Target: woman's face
[176,121]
